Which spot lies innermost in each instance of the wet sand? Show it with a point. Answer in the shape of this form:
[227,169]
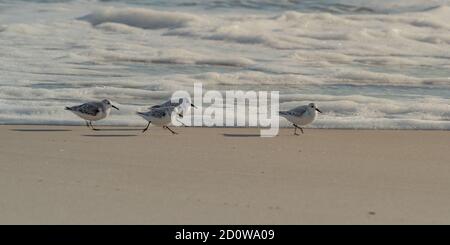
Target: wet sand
[71,175]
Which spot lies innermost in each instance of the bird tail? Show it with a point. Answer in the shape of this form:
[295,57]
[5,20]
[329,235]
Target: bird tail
[283,113]
[68,108]
[140,113]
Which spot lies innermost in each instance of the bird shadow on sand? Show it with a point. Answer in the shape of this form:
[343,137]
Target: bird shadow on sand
[109,135]
[120,129]
[39,130]
[241,135]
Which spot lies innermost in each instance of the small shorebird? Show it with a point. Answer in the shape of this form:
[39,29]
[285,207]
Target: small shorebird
[92,111]
[182,106]
[159,116]
[184,102]
[301,115]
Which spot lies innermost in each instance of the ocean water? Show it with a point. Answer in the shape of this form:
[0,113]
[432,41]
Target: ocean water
[366,64]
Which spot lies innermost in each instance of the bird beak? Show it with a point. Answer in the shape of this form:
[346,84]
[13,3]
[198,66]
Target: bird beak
[113,106]
[318,110]
[193,106]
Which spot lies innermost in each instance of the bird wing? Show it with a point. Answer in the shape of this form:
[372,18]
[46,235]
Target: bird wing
[167,103]
[300,110]
[296,112]
[88,108]
[158,112]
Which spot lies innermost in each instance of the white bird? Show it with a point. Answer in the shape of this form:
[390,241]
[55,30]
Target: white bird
[301,115]
[183,103]
[160,116]
[92,111]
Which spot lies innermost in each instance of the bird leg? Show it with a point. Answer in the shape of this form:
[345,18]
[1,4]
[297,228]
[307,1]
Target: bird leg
[95,129]
[301,129]
[145,129]
[184,125]
[173,132]
[87,125]
[295,131]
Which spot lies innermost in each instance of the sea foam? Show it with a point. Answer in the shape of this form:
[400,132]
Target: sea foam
[143,18]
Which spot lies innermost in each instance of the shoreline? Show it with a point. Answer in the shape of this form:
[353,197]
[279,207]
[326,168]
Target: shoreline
[72,175]
[225,127]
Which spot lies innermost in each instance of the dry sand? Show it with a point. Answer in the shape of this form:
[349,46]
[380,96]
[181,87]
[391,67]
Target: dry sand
[70,175]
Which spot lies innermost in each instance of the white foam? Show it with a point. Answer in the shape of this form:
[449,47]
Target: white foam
[118,27]
[138,17]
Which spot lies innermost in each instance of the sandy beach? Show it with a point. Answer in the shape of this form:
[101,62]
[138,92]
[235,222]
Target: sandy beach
[71,175]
